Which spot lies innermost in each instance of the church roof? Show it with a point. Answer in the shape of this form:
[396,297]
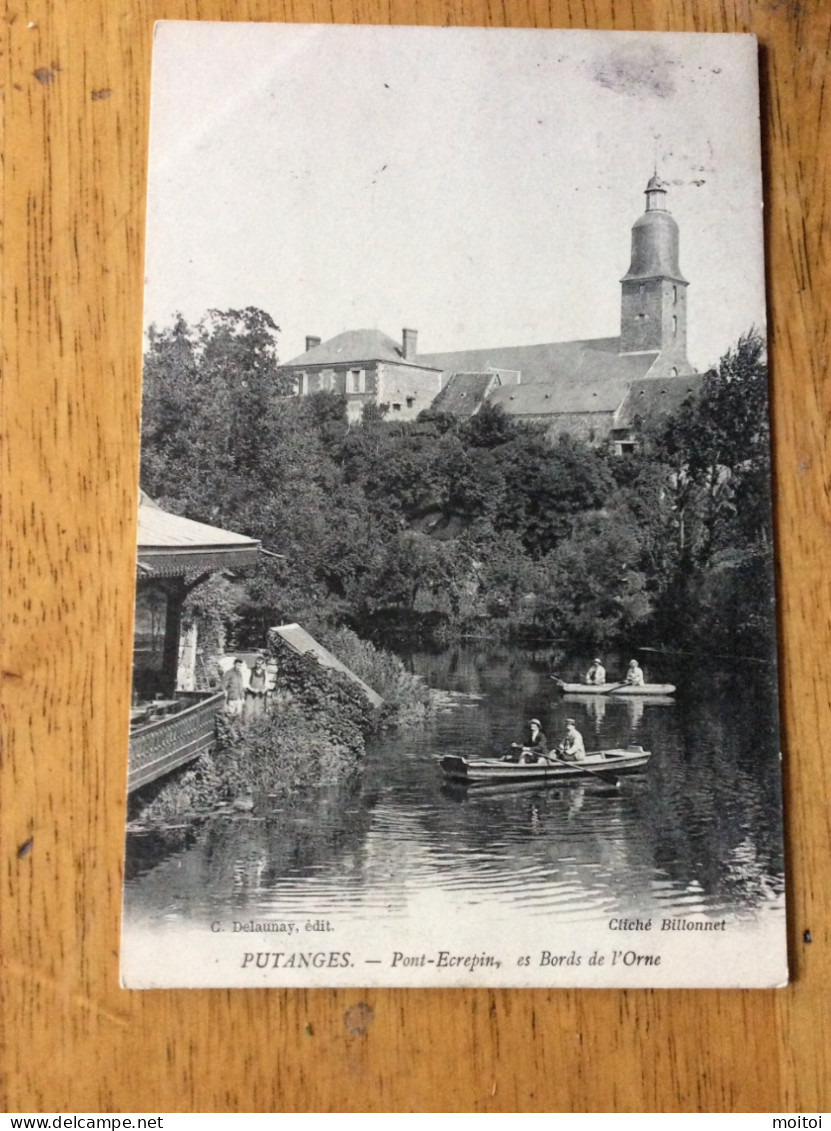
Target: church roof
[353,346]
[555,377]
[654,240]
[655,396]
[464,393]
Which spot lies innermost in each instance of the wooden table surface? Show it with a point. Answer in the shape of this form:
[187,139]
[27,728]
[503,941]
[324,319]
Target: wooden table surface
[75,112]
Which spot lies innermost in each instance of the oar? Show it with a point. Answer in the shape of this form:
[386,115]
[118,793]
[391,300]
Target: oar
[607,775]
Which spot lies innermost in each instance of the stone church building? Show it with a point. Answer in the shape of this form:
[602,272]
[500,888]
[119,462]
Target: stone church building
[597,389]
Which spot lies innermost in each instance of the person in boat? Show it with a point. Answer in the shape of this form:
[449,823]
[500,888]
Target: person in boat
[533,748]
[596,673]
[572,748]
[634,674]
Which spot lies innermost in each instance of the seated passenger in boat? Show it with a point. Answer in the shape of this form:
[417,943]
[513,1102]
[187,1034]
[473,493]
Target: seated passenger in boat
[634,674]
[572,748]
[532,749]
[596,673]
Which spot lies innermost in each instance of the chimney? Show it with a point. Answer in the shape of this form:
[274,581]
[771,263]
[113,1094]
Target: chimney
[311,342]
[410,339]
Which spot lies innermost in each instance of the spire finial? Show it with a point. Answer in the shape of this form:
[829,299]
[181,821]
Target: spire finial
[655,193]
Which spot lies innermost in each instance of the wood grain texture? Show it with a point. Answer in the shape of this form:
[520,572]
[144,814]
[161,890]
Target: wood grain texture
[75,115]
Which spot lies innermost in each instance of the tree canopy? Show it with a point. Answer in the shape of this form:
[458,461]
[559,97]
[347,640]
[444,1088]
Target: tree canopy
[479,520]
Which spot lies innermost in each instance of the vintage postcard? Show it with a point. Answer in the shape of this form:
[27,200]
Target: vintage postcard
[455,656]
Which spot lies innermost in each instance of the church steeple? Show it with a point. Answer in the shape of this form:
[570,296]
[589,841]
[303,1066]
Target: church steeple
[653,314]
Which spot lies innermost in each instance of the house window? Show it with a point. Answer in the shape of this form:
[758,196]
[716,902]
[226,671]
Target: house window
[625,447]
[674,325]
[396,408]
[674,293]
[410,402]
[673,372]
[302,386]
[357,381]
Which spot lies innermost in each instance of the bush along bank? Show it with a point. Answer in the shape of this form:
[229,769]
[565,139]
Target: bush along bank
[407,698]
[315,732]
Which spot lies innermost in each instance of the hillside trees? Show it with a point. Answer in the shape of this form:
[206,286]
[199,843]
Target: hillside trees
[716,450]
[481,518]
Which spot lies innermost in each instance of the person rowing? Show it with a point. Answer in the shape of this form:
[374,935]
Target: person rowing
[534,749]
[596,673]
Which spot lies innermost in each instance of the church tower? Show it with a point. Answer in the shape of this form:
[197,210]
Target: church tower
[653,312]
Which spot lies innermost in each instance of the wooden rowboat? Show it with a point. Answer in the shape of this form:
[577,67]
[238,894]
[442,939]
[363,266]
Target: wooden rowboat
[635,702]
[615,688]
[597,763]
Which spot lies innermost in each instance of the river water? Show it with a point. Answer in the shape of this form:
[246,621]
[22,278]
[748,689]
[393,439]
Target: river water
[696,834]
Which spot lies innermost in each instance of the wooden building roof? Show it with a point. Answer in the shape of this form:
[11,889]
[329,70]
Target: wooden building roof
[170,545]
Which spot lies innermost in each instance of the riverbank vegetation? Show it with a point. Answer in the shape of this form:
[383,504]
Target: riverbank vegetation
[314,732]
[484,525]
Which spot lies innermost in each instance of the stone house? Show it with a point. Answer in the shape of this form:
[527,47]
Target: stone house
[367,367]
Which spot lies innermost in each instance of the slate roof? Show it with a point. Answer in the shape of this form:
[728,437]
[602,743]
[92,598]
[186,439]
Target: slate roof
[656,396]
[555,377]
[464,393]
[171,545]
[353,346]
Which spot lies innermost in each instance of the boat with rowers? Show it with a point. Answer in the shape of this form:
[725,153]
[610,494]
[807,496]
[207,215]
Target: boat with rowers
[620,688]
[597,763]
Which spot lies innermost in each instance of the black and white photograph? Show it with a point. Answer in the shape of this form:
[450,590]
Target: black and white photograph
[455,654]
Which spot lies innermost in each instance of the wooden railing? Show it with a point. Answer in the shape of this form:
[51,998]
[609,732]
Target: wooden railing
[162,745]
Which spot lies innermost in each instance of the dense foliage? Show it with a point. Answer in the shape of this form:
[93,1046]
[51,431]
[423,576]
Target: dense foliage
[314,731]
[484,524]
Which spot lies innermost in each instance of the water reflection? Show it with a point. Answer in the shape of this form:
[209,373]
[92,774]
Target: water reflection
[698,830]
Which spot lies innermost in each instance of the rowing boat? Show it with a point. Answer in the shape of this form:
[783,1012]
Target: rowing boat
[634,702]
[615,688]
[456,767]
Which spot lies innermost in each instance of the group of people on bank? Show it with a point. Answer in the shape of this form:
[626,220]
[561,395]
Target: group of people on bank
[571,748]
[246,689]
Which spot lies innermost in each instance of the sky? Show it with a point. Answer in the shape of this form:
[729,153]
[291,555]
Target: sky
[478,185]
